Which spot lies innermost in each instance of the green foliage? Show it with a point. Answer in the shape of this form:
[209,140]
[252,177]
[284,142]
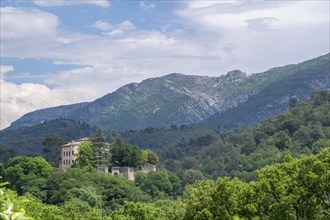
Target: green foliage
[152,157]
[190,176]
[89,186]
[85,158]
[29,140]
[11,206]
[301,130]
[159,138]
[198,198]
[101,148]
[2,170]
[123,154]
[28,174]
[76,210]
[6,154]
[51,149]
[86,194]
[138,211]
[40,211]
[294,189]
[159,184]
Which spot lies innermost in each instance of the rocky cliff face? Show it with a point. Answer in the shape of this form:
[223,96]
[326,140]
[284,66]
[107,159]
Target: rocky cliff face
[184,99]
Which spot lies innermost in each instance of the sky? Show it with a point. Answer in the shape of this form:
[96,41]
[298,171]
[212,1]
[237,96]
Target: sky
[57,52]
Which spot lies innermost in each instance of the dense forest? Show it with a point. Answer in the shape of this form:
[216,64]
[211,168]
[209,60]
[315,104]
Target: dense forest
[29,140]
[278,169]
[294,189]
[219,150]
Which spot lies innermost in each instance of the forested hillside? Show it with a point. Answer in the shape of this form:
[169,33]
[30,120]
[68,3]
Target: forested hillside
[29,140]
[200,181]
[294,189]
[303,129]
[161,138]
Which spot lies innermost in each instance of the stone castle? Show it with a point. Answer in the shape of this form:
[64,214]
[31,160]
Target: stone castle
[69,154]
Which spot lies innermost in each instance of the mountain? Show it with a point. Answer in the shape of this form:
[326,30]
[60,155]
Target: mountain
[178,99]
[304,129]
[28,140]
[272,99]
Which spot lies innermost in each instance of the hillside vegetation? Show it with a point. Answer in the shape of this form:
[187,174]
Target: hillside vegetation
[294,189]
[200,181]
[303,129]
[29,140]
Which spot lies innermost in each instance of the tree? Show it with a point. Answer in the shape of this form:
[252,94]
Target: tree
[11,206]
[156,184]
[76,210]
[138,211]
[2,170]
[293,102]
[295,189]
[39,211]
[153,157]
[51,149]
[86,156]
[85,194]
[123,154]
[190,176]
[198,200]
[282,140]
[149,156]
[6,154]
[28,174]
[101,148]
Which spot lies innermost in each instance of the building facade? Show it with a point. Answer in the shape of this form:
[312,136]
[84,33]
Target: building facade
[69,153]
[124,172]
[146,168]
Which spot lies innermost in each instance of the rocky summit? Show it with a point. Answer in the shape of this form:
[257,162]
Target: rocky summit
[177,99]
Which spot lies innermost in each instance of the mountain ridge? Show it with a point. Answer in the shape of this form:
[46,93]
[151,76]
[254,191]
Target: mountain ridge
[185,99]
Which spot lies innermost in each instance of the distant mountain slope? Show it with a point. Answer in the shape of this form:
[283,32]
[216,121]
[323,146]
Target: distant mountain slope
[308,77]
[40,116]
[28,140]
[180,99]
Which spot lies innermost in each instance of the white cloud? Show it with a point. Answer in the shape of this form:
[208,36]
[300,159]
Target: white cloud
[102,25]
[17,100]
[27,23]
[50,3]
[115,32]
[275,32]
[120,29]
[126,26]
[221,36]
[5,69]
[147,5]
[260,24]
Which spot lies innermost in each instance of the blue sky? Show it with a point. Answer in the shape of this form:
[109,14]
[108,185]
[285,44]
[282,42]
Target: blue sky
[56,52]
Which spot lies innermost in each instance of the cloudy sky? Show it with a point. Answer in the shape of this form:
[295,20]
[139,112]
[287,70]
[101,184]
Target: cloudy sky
[56,52]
